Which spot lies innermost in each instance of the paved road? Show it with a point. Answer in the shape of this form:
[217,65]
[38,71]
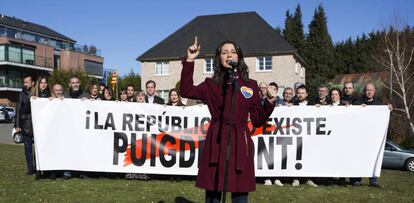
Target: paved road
[5,133]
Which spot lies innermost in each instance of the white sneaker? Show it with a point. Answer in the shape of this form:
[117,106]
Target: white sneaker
[295,183]
[278,183]
[311,183]
[268,182]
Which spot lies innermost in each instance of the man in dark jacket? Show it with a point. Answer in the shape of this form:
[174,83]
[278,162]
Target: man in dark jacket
[348,97]
[322,98]
[302,97]
[368,99]
[23,122]
[75,91]
[151,97]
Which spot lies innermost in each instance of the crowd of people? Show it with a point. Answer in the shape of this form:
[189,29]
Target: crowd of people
[334,97]
[298,95]
[41,88]
[230,77]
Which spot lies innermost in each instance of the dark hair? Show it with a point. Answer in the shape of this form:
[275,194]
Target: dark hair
[36,90]
[179,98]
[106,88]
[335,89]
[349,82]
[219,71]
[28,76]
[91,86]
[130,85]
[302,87]
[150,81]
[274,84]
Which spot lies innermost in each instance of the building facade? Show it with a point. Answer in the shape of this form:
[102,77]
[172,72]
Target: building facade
[30,49]
[269,56]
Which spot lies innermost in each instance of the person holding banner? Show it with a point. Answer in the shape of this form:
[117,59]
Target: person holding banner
[226,163]
[23,121]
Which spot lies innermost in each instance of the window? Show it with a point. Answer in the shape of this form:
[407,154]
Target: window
[208,66]
[28,37]
[264,63]
[2,52]
[28,56]
[15,79]
[2,31]
[162,68]
[15,54]
[297,66]
[302,72]
[163,94]
[92,67]
[3,78]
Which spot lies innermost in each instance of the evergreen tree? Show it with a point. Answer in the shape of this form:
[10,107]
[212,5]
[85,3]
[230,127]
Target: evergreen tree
[293,31]
[319,54]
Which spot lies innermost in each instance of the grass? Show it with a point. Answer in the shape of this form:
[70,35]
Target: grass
[15,186]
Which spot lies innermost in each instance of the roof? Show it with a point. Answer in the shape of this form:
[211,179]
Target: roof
[248,30]
[32,27]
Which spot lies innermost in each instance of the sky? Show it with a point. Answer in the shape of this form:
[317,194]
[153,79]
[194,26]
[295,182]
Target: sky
[124,30]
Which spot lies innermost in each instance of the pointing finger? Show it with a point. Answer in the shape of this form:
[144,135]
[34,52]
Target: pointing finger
[196,41]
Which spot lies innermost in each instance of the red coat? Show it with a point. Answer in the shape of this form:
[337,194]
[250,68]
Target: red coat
[241,176]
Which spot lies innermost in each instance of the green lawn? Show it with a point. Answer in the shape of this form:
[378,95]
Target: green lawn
[15,186]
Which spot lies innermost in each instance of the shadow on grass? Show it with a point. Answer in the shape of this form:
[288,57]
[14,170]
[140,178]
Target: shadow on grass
[179,200]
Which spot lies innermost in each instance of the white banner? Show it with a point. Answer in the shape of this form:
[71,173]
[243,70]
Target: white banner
[298,141]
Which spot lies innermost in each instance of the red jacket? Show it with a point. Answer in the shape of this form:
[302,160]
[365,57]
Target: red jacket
[241,176]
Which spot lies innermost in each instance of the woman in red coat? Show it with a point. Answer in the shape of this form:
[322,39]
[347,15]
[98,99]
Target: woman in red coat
[216,92]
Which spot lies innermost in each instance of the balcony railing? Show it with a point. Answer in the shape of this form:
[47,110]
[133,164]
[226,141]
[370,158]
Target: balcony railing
[21,35]
[29,59]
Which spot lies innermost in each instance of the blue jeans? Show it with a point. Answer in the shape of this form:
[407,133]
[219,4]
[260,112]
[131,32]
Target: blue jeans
[215,197]
[28,147]
[371,180]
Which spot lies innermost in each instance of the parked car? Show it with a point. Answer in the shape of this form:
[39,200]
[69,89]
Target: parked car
[396,156]
[7,114]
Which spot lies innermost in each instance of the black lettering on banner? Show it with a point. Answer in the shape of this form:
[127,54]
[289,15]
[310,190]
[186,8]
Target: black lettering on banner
[160,122]
[186,130]
[268,155]
[296,123]
[287,126]
[167,138]
[284,141]
[118,149]
[186,140]
[308,124]
[299,146]
[138,161]
[97,126]
[278,128]
[139,122]
[175,124]
[153,149]
[266,126]
[127,120]
[109,123]
[203,121]
[196,125]
[87,118]
[320,125]
[151,121]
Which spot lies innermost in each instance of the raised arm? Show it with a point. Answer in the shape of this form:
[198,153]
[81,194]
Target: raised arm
[187,87]
[260,113]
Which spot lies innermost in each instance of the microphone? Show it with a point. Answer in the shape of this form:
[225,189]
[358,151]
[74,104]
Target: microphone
[233,64]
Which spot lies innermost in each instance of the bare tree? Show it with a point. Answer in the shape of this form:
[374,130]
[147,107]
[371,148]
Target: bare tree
[398,44]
